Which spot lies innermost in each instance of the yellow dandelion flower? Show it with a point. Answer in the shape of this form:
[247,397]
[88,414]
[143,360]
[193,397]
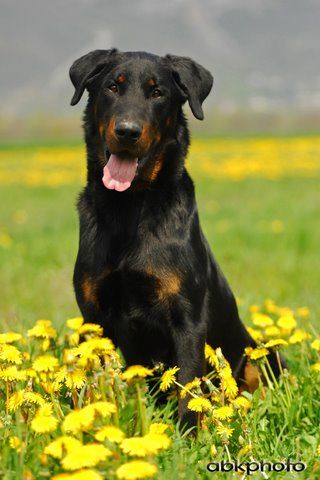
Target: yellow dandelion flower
[5,240]
[30,373]
[229,385]
[158,427]
[272,331]
[75,323]
[73,379]
[256,334]
[42,329]
[102,345]
[93,347]
[69,358]
[223,412]
[135,470]
[83,474]
[220,355]
[318,450]
[254,308]
[51,387]
[111,433]
[224,431]
[74,339]
[11,374]
[270,305]
[199,404]
[195,383]
[299,336]
[91,328]
[277,342]
[136,371]
[88,455]
[316,367]
[226,371]
[168,378]
[78,420]
[211,356]
[45,363]
[285,312]
[245,450]
[10,353]
[277,226]
[15,443]
[10,337]
[213,450]
[303,312]
[103,408]
[256,353]
[135,446]
[149,444]
[157,441]
[44,421]
[287,322]
[62,445]
[316,345]
[82,419]
[17,399]
[261,320]
[34,397]
[45,344]
[242,402]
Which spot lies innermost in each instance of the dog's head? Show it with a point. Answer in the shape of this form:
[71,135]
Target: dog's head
[136,98]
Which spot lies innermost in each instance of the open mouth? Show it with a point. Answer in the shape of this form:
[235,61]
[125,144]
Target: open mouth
[119,172]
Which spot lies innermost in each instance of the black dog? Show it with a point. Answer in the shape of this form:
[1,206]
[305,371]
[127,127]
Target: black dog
[144,270]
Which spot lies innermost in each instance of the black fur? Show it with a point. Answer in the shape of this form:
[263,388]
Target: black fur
[144,270]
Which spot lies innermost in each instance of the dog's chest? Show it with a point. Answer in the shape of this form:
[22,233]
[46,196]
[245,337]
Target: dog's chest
[137,261]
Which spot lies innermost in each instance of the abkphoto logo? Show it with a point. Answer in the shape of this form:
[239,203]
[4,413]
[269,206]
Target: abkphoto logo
[253,467]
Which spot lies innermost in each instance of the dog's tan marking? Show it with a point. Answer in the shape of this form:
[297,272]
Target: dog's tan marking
[152,82]
[101,129]
[156,169]
[145,139]
[251,376]
[121,78]
[148,135]
[168,282]
[170,285]
[90,285]
[110,133]
[89,290]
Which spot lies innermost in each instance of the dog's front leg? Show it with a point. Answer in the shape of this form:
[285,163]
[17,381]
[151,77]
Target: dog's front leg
[189,350]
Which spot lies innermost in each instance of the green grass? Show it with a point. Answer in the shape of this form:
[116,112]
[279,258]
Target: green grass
[237,217]
[36,270]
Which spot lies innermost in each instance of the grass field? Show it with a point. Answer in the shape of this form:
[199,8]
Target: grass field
[260,209]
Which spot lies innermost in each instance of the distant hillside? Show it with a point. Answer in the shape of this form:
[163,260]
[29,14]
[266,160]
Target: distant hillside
[264,54]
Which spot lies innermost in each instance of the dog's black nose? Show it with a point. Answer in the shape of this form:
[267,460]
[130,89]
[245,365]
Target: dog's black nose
[128,131]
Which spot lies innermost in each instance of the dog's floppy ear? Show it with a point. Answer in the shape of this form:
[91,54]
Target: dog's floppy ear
[193,81]
[86,68]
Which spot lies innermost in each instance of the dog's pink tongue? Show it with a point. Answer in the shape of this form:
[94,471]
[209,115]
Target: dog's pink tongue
[119,173]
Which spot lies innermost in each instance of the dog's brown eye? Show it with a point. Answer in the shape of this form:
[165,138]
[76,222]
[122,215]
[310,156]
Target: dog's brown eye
[113,88]
[156,93]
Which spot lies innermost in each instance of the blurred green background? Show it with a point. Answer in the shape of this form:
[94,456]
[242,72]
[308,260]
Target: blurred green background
[264,231]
